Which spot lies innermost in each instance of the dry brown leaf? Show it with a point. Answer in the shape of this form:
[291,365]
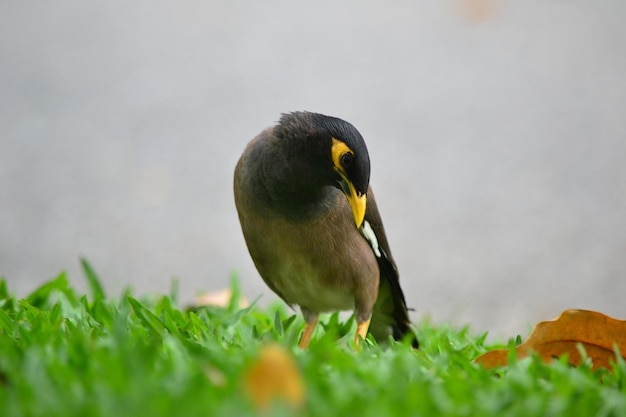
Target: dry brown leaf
[476,10]
[219,298]
[274,376]
[597,333]
[216,376]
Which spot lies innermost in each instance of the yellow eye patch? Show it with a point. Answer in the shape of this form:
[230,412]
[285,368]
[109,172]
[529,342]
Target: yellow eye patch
[339,148]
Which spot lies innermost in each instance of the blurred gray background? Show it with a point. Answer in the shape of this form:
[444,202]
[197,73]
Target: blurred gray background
[496,129]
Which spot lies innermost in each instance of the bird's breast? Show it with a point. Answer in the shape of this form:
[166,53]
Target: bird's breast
[317,265]
[306,285]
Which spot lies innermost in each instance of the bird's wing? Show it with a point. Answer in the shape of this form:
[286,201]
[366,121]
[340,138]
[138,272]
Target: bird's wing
[390,316]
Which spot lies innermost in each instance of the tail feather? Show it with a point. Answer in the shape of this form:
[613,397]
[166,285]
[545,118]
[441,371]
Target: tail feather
[391,315]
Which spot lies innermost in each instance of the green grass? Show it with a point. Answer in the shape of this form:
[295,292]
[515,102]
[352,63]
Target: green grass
[69,354]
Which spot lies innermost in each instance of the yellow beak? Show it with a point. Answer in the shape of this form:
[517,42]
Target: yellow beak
[357,201]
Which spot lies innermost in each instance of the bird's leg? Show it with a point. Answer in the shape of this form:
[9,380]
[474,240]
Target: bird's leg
[309,328]
[361,331]
[365,298]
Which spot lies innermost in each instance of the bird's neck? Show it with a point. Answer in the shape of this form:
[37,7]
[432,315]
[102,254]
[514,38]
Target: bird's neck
[293,191]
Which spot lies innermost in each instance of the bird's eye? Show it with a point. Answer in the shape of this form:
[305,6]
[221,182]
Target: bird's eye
[346,159]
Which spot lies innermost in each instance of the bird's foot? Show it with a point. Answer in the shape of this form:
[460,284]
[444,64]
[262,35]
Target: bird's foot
[361,331]
[307,334]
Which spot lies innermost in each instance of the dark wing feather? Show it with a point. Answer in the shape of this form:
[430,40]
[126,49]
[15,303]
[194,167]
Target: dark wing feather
[390,316]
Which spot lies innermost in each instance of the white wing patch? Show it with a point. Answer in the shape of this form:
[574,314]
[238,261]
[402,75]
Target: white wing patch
[368,233]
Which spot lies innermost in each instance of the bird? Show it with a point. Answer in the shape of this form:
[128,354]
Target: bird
[312,227]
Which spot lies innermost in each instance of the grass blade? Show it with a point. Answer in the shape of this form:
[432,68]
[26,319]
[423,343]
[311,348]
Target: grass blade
[41,295]
[147,317]
[93,280]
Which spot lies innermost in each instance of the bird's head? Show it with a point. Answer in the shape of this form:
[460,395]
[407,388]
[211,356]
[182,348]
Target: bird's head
[336,151]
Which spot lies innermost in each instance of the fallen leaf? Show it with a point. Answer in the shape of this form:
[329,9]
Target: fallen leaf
[216,376]
[476,10]
[274,376]
[218,298]
[597,333]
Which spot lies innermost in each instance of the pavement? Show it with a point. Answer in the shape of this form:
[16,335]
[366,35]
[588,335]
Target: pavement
[496,130]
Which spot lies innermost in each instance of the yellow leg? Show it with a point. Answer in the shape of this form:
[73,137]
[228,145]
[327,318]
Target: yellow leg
[361,331]
[308,333]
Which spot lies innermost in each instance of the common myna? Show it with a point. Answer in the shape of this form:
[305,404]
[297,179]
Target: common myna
[312,227]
